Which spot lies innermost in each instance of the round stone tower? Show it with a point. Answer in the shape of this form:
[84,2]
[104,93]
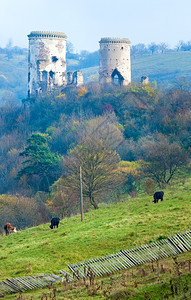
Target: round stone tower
[115,65]
[47,61]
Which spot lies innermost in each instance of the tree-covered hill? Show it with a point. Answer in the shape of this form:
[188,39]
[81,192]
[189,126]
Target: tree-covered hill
[128,141]
[132,139]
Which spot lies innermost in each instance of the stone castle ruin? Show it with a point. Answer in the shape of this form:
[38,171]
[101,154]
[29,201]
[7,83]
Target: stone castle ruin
[115,64]
[47,62]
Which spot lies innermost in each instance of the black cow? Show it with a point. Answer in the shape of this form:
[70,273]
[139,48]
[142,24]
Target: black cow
[157,196]
[54,222]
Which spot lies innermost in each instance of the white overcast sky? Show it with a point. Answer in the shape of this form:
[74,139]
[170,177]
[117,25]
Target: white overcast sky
[86,21]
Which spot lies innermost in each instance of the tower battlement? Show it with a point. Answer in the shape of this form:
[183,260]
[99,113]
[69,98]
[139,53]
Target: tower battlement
[109,40]
[46,34]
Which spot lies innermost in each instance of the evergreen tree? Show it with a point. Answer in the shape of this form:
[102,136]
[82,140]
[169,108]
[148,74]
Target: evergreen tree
[41,167]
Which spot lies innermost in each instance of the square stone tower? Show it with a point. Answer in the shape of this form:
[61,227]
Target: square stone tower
[115,64]
[47,61]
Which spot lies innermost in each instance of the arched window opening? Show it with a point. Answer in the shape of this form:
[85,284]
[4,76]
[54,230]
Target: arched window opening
[117,78]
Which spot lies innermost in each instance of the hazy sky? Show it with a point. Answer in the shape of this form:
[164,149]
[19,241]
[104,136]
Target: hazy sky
[86,21]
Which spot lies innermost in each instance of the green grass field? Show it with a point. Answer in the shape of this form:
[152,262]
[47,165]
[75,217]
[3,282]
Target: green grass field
[152,281]
[104,231]
[162,68]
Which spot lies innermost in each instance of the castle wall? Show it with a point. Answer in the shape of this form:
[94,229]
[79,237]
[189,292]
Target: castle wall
[47,61]
[69,77]
[78,78]
[75,78]
[115,61]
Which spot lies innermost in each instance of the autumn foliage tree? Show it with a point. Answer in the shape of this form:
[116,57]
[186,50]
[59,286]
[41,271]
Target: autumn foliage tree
[82,91]
[63,201]
[99,169]
[21,211]
[132,174]
[163,159]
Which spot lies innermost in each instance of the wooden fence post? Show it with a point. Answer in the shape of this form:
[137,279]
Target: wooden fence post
[81,196]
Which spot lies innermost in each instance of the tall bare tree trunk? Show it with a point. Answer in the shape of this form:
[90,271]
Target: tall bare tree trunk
[93,202]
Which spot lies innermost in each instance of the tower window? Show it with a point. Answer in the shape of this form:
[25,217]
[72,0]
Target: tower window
[51,74]
[54,59]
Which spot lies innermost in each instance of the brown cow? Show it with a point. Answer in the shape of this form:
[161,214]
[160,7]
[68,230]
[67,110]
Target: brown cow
[9,228]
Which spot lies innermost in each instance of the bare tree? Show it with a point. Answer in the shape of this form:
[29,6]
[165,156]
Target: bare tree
[99,167]
[163,160]
[105,128]
[163,47]
[153,48]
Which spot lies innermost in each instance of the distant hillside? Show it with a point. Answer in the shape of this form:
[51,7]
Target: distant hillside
[162,68]
[13,76]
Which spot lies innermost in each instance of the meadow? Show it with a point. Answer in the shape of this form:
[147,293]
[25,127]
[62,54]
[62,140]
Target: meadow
[164,279]
[111,228]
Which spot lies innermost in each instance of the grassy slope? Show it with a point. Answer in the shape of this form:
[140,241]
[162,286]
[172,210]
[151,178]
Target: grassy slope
[162,67]
[15,72]
[104,231]
[155,282]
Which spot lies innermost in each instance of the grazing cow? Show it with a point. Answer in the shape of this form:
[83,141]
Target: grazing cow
[9,228]
[54,222]
[157,196]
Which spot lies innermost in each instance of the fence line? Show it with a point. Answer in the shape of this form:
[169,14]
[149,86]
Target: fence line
[104,265]
[174,245]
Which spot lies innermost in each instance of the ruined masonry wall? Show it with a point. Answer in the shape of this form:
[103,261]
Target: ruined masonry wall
[47,63]
[114,54]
